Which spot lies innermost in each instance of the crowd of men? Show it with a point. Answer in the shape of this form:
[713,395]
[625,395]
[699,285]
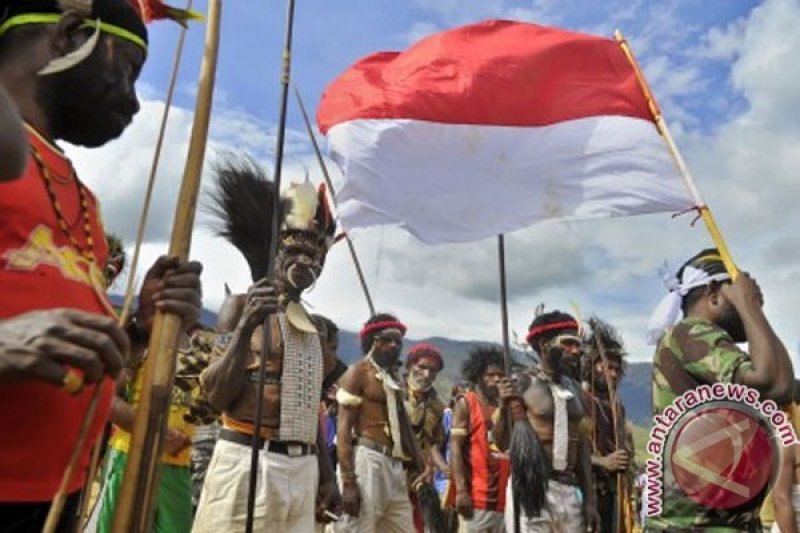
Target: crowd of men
[370,447]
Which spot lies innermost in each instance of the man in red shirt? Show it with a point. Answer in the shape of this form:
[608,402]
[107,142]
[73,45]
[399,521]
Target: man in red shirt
[479,467]
[69,75]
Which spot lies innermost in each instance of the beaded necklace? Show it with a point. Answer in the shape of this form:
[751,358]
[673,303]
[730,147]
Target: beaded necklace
[88,252]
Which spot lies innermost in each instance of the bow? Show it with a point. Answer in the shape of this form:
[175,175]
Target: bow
[135,507]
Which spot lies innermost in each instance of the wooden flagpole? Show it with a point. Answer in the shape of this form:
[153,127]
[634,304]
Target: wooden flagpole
[661,124]
[134,512]
[501,258]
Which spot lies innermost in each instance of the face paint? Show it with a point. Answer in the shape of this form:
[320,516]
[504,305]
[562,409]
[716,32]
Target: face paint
[387,346]
[422,375]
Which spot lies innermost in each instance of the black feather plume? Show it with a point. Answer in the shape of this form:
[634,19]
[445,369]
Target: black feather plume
[529,467]
[241,201]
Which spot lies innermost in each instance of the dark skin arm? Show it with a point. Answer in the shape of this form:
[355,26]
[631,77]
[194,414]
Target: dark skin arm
[224,379]
[345,422]
[771,373]
[439,462]
[782,492]
[457,460]
[328,497]
[584,472]
[509,403]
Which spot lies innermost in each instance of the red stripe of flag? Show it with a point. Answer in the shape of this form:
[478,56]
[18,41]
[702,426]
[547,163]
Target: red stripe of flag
[496,72]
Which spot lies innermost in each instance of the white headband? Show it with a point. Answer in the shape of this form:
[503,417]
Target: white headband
[668,311]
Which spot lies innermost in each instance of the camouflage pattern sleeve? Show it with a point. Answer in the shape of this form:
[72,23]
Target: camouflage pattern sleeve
[710,354]
[694,352]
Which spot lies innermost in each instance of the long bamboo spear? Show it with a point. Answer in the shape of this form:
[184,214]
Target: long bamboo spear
[134,511]
[286,69]
[329,183]
[622,487]
[125,313]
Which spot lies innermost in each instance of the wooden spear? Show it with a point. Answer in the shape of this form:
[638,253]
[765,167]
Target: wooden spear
[329,183]
[134,512]
[266,343]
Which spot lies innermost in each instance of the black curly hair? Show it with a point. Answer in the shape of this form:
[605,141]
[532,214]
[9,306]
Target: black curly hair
[479,359]
[325,325]
[604,335]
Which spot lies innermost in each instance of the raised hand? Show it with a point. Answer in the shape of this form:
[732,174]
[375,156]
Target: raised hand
[171,286]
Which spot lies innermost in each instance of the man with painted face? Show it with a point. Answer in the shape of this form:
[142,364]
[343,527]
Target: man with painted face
[612,453]
[697,326]
[551,477]
[375,441]
[479,467]
[425,411]
[294,468]
[67,70]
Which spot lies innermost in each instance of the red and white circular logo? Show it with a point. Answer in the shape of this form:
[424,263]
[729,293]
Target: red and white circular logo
[722,455]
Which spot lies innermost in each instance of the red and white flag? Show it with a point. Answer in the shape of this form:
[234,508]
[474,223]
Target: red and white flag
[491,127]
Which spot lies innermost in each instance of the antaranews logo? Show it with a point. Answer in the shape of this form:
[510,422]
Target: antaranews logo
[718,444]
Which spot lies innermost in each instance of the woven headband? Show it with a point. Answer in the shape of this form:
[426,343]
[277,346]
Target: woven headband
[386,324]
[537,330]
[52,18]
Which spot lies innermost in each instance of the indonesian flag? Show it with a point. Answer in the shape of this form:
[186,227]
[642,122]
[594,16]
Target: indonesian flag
[491,127]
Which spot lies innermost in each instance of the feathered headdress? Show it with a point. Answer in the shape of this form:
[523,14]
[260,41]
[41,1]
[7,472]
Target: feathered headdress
[308,220]
[241,200]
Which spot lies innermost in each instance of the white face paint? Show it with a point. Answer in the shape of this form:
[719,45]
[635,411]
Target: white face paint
[66,62]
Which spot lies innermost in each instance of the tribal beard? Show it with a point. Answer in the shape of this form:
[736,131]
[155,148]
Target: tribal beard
[529,467]
[386,359]
[417,384]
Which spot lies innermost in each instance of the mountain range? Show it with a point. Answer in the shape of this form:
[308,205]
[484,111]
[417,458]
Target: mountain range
[634,389]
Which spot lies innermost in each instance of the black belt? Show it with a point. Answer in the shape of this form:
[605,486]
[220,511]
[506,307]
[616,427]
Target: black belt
[290,448]
[567,478]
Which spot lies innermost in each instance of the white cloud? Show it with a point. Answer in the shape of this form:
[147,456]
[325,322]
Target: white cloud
[745,167]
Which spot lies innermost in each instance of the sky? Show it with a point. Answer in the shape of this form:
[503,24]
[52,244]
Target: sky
[724,73]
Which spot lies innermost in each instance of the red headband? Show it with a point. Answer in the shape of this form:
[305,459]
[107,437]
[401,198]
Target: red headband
[423,350]
[375,326]
[534,331]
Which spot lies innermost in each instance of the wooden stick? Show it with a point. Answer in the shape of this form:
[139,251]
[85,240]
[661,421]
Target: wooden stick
[129,290]
[661,124]
[134,511]
[501,258]
[57,507]
[148,195]
[266,337]
[329,183]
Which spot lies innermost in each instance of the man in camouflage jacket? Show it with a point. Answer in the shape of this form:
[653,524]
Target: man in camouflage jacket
[700,349]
